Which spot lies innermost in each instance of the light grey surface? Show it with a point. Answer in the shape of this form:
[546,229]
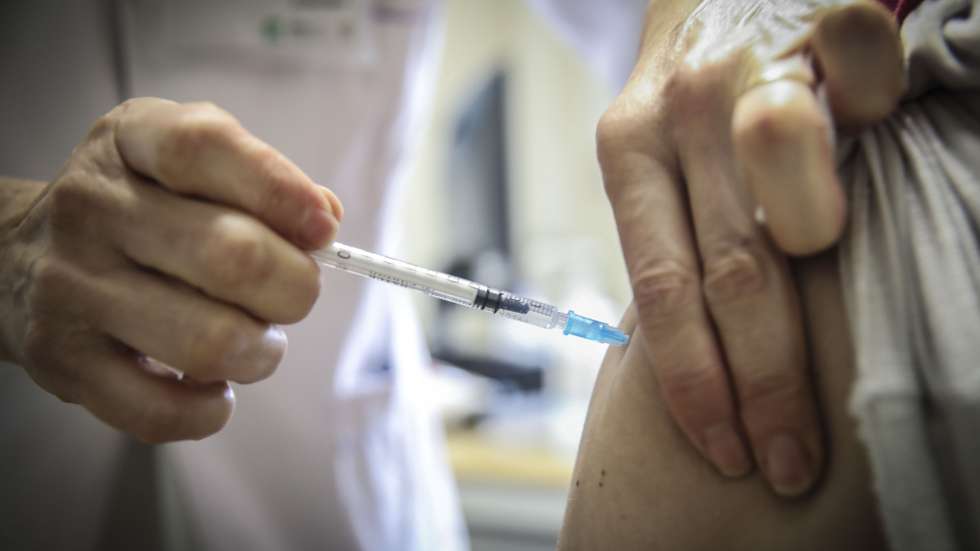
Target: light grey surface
[505,517]
[58,77]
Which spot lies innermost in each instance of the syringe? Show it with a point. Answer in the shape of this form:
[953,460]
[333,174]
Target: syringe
[465,293]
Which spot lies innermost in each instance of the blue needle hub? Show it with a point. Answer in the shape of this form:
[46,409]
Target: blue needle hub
[594,330]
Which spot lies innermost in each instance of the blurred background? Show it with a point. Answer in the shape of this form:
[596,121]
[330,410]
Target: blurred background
[504,189]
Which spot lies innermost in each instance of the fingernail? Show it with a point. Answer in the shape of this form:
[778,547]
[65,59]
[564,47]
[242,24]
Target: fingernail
[317,226]
[788,465]
[275,337]
[255,360]
[726,451]
[335,205]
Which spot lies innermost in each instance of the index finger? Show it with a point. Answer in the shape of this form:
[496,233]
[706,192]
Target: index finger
[200,150]
[660,252]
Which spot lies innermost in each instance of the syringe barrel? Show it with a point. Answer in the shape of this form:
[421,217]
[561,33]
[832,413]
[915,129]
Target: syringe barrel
[439,285]
[382,268]
[520,308]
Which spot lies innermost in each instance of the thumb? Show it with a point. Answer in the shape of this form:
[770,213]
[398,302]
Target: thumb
[858,52]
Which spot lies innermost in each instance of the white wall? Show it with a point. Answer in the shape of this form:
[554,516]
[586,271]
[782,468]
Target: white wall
[562,219]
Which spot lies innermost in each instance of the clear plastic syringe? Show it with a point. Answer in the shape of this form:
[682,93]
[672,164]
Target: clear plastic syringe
[465,293]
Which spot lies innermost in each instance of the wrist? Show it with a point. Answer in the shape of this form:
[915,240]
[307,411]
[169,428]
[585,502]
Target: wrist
[16,198]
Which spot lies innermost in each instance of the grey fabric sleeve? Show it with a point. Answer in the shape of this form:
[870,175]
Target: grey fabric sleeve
[911,270]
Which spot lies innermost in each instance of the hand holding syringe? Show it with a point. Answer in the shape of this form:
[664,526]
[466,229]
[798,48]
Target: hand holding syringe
[466,293]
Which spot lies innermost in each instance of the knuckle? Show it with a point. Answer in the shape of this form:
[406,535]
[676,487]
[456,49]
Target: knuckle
[199,127]
[686,386]
[129,104]
[780,122]
[734,274]
[765,393]
[207,118]
[629,135]
[695,89]
[699,75]
[47,273]
[50,277]
[236,257]
[72,201]
[280,192]
[664,289]
[622,127]
[608,132]
[103,126]
[58,295]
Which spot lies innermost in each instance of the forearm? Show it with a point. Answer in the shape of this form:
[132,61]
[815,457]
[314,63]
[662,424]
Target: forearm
[16,198]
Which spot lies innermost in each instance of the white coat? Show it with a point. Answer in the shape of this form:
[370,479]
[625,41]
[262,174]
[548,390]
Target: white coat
[339,449]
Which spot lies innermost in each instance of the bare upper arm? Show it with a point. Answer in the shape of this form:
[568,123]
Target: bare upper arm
[638,484]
